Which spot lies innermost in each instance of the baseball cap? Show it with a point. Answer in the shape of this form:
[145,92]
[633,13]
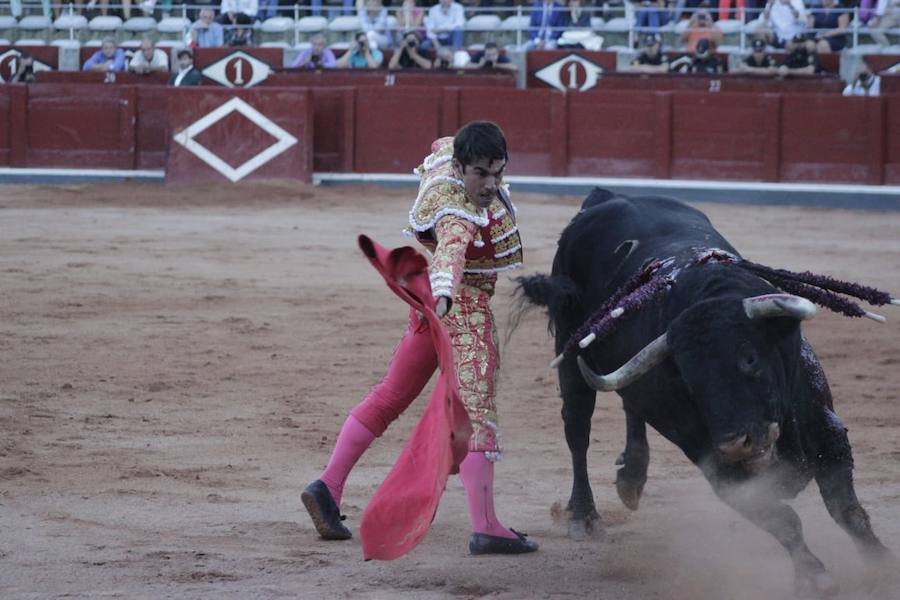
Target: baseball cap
[702,46]
[649,40]
[759,45]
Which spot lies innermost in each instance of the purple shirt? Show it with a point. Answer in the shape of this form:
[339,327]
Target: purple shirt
[328,60]
[98,58]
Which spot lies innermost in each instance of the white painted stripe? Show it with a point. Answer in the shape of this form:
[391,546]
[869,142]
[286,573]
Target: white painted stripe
[687,184]
[146,173]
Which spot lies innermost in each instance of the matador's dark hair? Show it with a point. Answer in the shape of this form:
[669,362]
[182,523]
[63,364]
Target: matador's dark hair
[479,140]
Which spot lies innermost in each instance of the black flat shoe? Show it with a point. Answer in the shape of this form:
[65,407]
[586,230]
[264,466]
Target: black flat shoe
[482,543]
[324,511]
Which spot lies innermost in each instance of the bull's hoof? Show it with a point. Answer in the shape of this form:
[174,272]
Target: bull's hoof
[586,528]
[815,585]
[629,492]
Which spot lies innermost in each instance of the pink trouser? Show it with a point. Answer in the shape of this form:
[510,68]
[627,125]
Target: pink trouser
[724,5]
[471,328]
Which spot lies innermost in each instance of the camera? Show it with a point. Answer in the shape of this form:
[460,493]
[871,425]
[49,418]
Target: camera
[864,76]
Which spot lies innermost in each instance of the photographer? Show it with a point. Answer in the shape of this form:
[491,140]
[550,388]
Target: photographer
[360,55]
[407,55]
[866,82]
[316,56]
[650,58]
[25,69]
[491,59]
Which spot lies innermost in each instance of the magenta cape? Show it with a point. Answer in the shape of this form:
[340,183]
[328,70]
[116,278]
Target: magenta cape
[402,509]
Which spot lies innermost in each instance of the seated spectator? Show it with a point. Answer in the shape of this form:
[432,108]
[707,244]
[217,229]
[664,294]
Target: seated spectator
[829,24]
[575,17]
[186,73]
[701,27]
[444,25]
[887,16]
[492,59]
[205,32]
[650,58]
[409,54]
[317,56]
[373,19]
[782,20]
[25,69]
[360,55]
[237,16]
[865,83]
[149,59]
[411,18]
[801,58]
[867,10]
[759,61]
[545,24]
[650,15]
[107,58]
[702,61]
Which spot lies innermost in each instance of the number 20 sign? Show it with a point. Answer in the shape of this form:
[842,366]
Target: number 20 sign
[570,73]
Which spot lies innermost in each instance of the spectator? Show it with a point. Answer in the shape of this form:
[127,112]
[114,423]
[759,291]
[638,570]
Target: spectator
[149,59]
[702,61]
[545,24]
[444,24]
[575,17]
[267,9]
[317,56]
[650,58]
[650,15]
[759,61]
[866,83]
[867,10]
[25,69]
[725,9]
[237,16]
[701,27]
[205,32]
[887,15]
[829,24]
[107,58]
[186,73]
[782,20]
[801,58]
[411,18]
[492,59]
[361,55]
[408,55]
[373,18]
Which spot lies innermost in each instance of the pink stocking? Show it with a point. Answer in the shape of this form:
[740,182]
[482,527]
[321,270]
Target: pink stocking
[477,474]
[353,440]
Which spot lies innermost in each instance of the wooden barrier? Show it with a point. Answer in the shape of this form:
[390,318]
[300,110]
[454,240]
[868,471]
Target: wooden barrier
[618,133]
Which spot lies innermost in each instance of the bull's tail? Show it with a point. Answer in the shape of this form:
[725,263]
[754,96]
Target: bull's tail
[554,292]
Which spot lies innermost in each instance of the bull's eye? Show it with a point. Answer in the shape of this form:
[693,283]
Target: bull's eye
[749,363]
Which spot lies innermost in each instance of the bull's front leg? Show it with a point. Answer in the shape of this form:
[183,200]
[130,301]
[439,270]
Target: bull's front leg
[834,476]
[578,408]
[759,504]
[632,473]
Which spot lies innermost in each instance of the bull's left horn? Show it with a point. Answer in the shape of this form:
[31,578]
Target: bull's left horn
[779,305]
[651,355]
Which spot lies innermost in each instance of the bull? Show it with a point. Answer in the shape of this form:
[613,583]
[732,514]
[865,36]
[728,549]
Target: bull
[710,355]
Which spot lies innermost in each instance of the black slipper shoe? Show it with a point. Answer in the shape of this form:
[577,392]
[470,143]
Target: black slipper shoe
[482,543]
[324,511]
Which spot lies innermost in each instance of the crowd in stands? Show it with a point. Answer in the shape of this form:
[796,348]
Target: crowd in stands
[416,36]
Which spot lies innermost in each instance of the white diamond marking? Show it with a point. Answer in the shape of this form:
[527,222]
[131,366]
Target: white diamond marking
[185,137]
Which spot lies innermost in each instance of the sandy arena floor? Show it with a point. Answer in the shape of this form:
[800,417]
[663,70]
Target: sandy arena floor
[175,365]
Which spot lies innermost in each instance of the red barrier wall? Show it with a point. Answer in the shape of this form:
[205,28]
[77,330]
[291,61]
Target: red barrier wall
[678,134]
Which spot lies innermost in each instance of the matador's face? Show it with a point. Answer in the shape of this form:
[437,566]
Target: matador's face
[481,179]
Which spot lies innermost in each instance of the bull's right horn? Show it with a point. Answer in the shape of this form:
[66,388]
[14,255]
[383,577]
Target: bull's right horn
[651,355]
[779,305]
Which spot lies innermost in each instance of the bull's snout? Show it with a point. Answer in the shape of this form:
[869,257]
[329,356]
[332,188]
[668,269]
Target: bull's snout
[748,447]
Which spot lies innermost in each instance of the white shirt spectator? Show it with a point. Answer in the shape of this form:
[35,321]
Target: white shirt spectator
[858,89]
[787,19]
[248,7]
[159,61]
[439,20]
[883,7]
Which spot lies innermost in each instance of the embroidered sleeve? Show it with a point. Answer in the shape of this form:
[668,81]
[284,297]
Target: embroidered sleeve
[453,237]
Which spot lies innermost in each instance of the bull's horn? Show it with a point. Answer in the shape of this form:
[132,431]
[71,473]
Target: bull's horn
[895,301]
[779,305]
[651,355]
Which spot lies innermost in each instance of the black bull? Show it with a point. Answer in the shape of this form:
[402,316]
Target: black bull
[743,396]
